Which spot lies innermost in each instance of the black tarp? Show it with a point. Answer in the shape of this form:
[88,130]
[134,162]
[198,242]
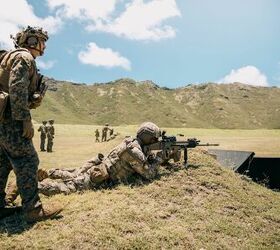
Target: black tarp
[265,170]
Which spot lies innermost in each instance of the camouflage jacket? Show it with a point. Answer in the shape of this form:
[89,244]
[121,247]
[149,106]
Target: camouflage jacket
[50,131]
[43,130]
[19,77]
[128,158]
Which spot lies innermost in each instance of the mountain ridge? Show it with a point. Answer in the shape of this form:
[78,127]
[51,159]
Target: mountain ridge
[126,101]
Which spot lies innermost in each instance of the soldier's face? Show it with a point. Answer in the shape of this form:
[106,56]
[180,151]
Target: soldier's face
[39,50]
[42,46]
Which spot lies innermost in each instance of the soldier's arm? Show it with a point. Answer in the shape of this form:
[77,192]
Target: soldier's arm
[142,166]
[18,89]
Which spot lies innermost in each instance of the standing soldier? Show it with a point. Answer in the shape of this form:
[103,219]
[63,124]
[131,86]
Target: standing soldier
[97,134]
[104,132]
[43,130]
[50,135]
[19,78]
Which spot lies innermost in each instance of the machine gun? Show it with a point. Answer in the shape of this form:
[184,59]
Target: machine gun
[170,148]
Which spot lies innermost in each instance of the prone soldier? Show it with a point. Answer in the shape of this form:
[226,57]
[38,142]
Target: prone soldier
[121,163]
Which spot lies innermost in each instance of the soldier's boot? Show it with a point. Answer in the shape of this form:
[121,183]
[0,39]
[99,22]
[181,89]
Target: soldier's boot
[42,174]
[44,212]
[11,193]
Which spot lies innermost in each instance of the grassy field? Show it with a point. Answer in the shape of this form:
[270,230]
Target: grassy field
[74,144]
[204,207]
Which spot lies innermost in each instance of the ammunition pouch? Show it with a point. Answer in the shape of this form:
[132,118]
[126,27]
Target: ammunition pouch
[4,96]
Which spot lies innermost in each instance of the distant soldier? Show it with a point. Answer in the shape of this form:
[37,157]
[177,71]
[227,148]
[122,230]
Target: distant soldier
[97,134]
[50,135]
[43,135]
[104,132]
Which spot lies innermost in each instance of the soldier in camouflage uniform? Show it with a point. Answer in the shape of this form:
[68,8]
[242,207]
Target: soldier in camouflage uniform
[43,130]
[50,135]
[122,162]
[104,132]
[97,134]
[19,78]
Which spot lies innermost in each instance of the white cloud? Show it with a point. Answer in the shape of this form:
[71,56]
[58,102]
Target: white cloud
[104,57]
[15,14]
[45,65]
[83,9]
[248,75]
[141,19]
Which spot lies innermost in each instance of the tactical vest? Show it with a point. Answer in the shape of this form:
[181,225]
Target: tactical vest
[6,63]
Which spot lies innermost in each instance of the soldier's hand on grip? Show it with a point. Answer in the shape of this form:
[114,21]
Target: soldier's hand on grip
[35,101]
[28,129]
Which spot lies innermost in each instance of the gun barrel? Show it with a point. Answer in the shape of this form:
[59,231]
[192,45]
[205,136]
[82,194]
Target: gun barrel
[209,144]
[185,143]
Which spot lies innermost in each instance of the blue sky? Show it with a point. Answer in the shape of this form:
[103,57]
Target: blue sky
[173,43]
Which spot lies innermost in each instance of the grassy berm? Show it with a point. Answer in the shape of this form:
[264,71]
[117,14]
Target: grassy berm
[203,207]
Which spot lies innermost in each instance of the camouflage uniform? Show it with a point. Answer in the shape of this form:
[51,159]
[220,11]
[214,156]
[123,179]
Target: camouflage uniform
[104,133]
[122,162]
[43,135]
[97,134]
[18,70]
[50,136]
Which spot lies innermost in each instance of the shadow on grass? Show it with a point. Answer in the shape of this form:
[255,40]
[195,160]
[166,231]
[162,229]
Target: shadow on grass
[15,224]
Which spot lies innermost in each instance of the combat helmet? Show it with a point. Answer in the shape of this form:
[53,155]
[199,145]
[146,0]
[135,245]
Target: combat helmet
[29,37]
[148,133]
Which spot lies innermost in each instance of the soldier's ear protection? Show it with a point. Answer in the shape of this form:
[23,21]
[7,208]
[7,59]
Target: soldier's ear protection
[32,41]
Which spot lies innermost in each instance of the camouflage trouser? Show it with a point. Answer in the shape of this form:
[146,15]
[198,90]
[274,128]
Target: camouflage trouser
[19,154]
[49,144]
[68,181]
[65,186]
[42,144]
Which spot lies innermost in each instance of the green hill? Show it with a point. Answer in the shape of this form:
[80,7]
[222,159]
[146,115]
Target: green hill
[126,101]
